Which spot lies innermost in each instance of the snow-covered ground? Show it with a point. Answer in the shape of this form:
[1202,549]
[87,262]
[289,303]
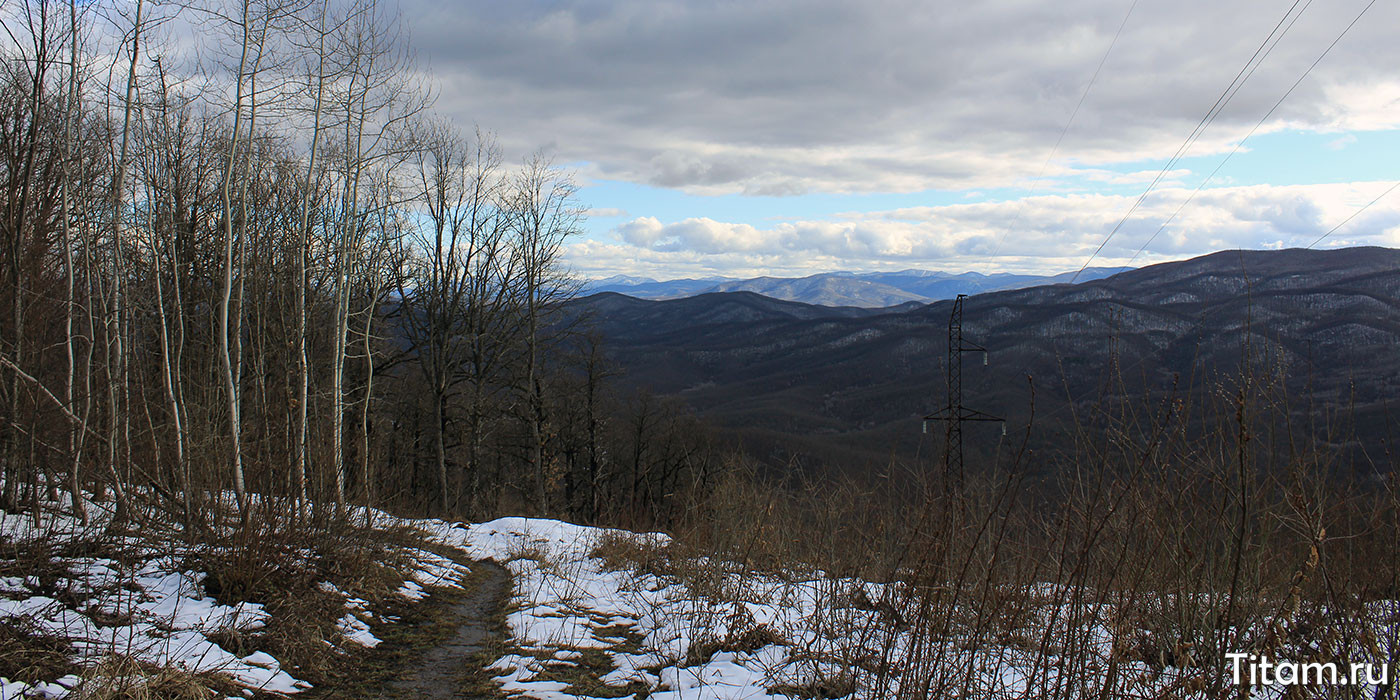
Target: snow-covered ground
[584,623]
[709,630]
[653,633]
[150,610]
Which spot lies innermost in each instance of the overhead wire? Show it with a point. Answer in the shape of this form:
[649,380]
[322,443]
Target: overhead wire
[1354,215]
[1266,47]
[1058,141]
[1252,131]
[1221,101]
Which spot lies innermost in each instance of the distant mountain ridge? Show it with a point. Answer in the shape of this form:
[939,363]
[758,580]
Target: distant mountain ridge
[848,384]
[871,290]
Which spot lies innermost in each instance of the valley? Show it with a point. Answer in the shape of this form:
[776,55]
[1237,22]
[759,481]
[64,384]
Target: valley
[851,384]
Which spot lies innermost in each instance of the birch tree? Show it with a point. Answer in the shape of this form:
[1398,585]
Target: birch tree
[373,99]
[317,67]
[71,114]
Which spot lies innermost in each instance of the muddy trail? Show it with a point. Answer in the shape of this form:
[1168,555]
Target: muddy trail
[442,669]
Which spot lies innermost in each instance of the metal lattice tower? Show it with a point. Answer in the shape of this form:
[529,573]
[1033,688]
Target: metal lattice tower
[954,413]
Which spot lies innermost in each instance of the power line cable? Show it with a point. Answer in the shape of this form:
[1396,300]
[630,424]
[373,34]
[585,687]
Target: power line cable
[1257,125]
[1222,163]
[1056,149]
[1220,102]
[1314,64]
[1354,214]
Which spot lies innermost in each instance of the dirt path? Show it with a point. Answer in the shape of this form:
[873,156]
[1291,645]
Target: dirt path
[439,677]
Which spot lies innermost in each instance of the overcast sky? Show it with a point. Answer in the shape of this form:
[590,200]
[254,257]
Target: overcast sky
[744,138]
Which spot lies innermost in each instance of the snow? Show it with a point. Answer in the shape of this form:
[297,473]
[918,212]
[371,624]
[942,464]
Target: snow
[357,630]
[745,634]
[154,612]
[568,601]
[715,632]
[169,616]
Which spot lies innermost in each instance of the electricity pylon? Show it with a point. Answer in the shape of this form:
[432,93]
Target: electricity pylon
[954,413]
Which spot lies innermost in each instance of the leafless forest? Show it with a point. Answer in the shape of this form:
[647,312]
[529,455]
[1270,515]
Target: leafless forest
[242,255]
[263,264]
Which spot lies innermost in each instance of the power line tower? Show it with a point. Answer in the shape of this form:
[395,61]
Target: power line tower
[954,413]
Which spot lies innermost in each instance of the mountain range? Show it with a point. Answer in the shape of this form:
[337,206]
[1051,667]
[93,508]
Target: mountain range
[804,382]
[860,289]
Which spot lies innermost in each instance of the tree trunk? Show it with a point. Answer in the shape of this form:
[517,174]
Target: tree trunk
[440,427]
[303,250]
[75,432]
[235,457]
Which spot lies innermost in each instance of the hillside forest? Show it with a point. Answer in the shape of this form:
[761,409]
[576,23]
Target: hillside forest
[272,268]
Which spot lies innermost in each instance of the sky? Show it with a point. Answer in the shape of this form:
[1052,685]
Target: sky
[785,137]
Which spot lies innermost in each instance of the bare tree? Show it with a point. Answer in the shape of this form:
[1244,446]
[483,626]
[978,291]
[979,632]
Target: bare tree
[492,327]
[202,242]
[376,275]
[171,175]
[373,104]
[25,82]
[462,226]
[545,213]
[71,114]
[310,188]
[246,33]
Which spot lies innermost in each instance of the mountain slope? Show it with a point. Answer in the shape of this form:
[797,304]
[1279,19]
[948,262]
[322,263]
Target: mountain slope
[868,289]
[644,288]
[1326,321]
[825,290]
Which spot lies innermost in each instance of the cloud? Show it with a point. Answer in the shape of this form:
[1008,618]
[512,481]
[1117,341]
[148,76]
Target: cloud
[790,97]
[1140,177]
[605,212]
[1049,233]
[1341,142]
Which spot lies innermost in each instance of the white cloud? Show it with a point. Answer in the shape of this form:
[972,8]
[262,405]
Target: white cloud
[1139,177]
[1361,105]
[1341,142]
[605,212]
[1049,233]
[787,97]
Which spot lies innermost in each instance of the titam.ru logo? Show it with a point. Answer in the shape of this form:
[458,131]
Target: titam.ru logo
[1258,669]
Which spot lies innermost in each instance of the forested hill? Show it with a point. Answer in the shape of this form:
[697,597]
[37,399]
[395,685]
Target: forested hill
[810,381]
[861,289]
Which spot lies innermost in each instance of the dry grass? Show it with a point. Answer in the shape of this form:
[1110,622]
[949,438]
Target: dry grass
[273,561]
[284,569]
[118,677]
[29,655]
[744,638]
[625,551]
[419,627]
[819,689]
[1184,537]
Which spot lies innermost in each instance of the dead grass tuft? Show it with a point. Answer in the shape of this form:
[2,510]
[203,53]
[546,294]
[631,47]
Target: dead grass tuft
[746,640]
[29,655]
[583,675]
[625,551]
[119,677]
[286,570]
[817,689]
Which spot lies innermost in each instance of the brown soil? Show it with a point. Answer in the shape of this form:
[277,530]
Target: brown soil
[443,668]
